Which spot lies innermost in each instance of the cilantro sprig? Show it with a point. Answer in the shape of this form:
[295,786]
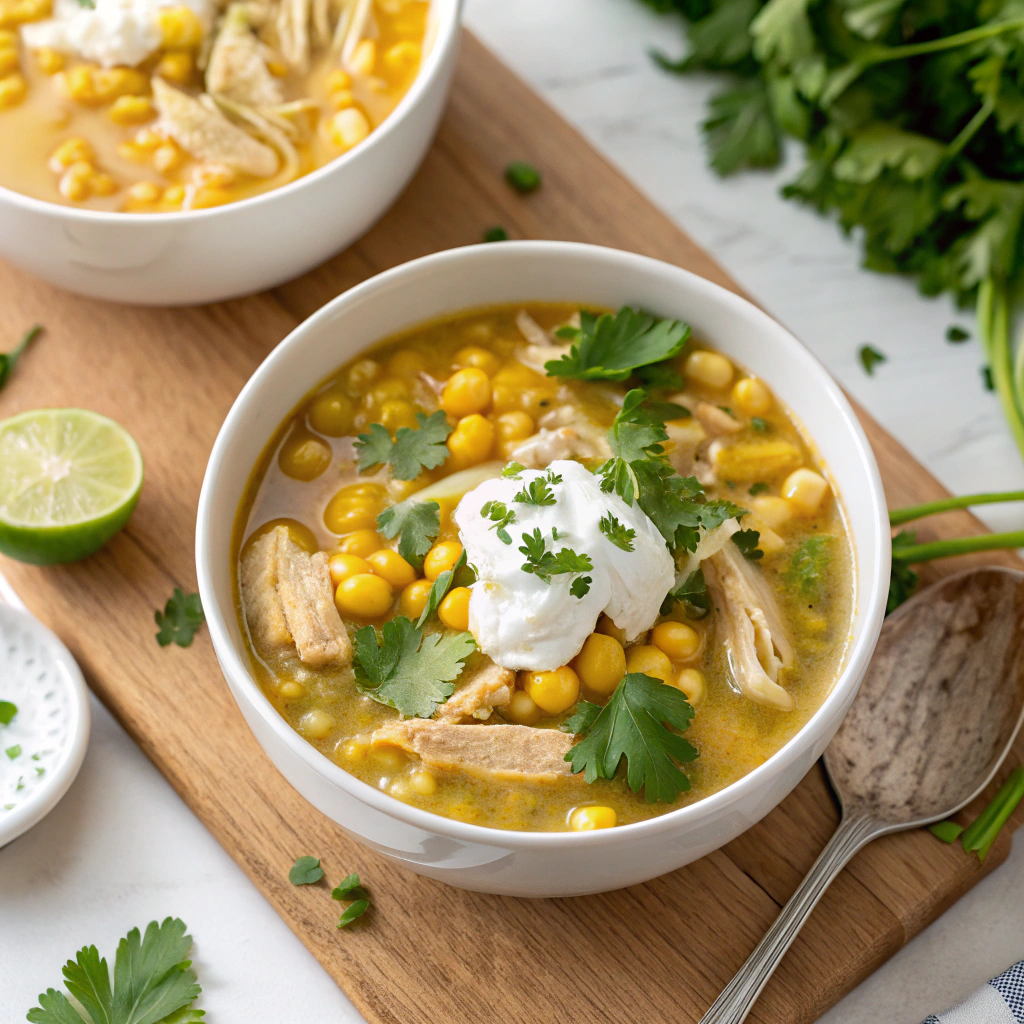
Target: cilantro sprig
[439,588]
[618,533]
[415,523]
[8,709]
[400,667]
[545,564]
[611,347]
[153,982]
[692,594]
[180,620]
[808,566]
[501,517]
[634,725]
[411,451]
[536,492]
[8,360]
[747,541]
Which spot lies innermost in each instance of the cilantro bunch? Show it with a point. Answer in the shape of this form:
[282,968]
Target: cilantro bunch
[912,116]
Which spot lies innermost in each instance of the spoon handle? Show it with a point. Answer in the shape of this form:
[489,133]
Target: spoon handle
[733,1005]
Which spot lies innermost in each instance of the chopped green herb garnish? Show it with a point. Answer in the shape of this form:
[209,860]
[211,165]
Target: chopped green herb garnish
[180,620]
[415,523]
[666,411]
[523,177]
[411,451]
[660,375]
[947,831]
[536,492]
[496,234]
[87,4]
[759,488]
[903,580]
[545,564]
[979,836]
[305,871]
[759,424]
[512,471]
[7,712]
[808,566]
[40,772]
[618,533]
[352,912]
[153,982]
[501,517]
[634,725]
[349,888]
[986,378]
[692,594]
[747,541]
[956,335]
[608,347]
[870,357]
[8,360]
[400,667]
[438,590]
[13,752]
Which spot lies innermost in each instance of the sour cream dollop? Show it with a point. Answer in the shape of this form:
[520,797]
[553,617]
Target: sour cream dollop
[520,621]
[114,32]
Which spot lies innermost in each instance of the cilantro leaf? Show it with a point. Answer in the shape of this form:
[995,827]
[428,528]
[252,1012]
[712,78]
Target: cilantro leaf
[741,131]
[747,541]
[660,375]
[523,177]
[536,492]
[580,587]
[9,359]
[411,673]
[758,488]
[582,719]
[349,888]
[808,566]
[512,471]
[438,590]
[153,982]
[870,357]
[417,523]
[180,620]
[618,533]
[956,335]
[545,564]
[501,517]
[411,451]
[352,912]
[7,712]
[610,347]
[759,424]
[632,725]
[13,752]
[692,593]
[305,871]
[496,234]
[903,580]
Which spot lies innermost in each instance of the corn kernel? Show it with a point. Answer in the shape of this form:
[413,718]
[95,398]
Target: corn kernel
[751,397]
[775,511]
[402,57]
[363,58]
[691,681]
[805,490]
[131,110]
[12,90]
[348,128]
[315,725]
[454,609]
[174,195]
[337,80]
[8,39]
[601,664]
[709,368]
[49,61]
[754,460]
[19,12]
[213,176]
[586,819]
[650,661]
[72,151]
[179,27]
[342,99]
[148,140]
[144,192]
[176,66]
[423,783]
[291,690]
[168,158]
[676,639]
[9,60]
[440,558]
[555,691]
[102,184]
[75,181]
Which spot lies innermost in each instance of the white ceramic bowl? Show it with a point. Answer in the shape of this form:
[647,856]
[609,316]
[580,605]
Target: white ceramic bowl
[208,255]
[472,856]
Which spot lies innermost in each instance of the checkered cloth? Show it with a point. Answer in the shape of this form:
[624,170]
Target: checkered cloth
[1001,1001]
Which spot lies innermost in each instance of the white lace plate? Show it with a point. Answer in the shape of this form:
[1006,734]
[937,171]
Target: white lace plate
[42,748]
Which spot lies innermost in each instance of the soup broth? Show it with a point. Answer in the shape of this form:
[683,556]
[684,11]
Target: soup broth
[724,428]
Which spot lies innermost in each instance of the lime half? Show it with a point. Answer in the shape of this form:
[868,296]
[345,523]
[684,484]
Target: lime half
[69,480]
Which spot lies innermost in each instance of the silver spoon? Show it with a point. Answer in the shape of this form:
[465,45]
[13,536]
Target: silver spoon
[938,711]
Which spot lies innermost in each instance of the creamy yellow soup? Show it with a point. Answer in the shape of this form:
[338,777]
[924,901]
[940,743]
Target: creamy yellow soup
[97,137]
[744,444]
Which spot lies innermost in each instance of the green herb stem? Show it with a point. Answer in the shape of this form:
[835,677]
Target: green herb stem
[30,335]
[970,129]
[994,327]
[973,35]
[959,546]
[899,516]
[981,834]
[947,831]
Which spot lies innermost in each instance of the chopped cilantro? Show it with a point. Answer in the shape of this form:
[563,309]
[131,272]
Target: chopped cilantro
[512,471]
[153,982]
[903,580]
[618,533]
[634,725]
[40,772]
[808,566]
[353,911]
[438,590]
[180,620]
[496,234]
[947,831]
[979,836]
[349,888]
[7,712]
[411,451]
[986,378]
[544,564]
[9,359]
[692,594]
[660,375]
[416,523]
[608,347]
[305,871]
[13,752]
[956,334]
[523,177]
[747,541]
[401,668]
[580,586]
[536,492]
[759,424]
[759,488]
[870,357]
[666,411]
[501,517]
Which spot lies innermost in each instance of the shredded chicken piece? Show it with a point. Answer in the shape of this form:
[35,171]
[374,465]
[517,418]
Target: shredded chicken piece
[532,331]
[237,67]
[494,753]
[288,599]
[717,421]
[685,437]
[208,135]
[292,27]
[488,688]
[757,644]
[545,447]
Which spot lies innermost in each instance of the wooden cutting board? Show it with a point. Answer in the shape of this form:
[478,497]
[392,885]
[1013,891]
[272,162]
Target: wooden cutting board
[431,953]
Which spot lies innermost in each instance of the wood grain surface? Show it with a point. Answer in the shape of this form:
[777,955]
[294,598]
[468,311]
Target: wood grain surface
[430,953]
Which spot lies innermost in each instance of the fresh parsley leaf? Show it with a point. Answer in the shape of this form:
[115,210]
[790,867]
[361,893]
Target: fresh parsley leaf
[759,488]
[305,871]
[633,725]
[438,590]
[352,912]
[808,566]
[523,177]
[496,234]
[411,451]
[956,334]
[407,671]
[903,580]
[501,516]
[618,533]
[660,375]
[580,587]
[417,523]
[512,471]
[13,752]
[759,424]
[692,594]
[536,492]
[740,128]
[9,359]
[747,541]
[153,982]
[87,4]
[666,411]
[7,712]
[582,719]
[608,347]
[40,772]
[545,564]
[349,888]
[180,620]
[870,357]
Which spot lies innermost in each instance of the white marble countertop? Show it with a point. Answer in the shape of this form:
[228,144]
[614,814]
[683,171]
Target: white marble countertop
[122,849]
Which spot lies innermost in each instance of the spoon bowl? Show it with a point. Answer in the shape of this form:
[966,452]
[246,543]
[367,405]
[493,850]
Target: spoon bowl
[938,711]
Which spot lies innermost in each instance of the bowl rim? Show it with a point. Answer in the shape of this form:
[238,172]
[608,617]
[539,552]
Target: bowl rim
[433,68]
[872,602]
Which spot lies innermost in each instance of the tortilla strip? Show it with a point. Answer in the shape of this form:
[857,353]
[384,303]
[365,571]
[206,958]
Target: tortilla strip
[488,688]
